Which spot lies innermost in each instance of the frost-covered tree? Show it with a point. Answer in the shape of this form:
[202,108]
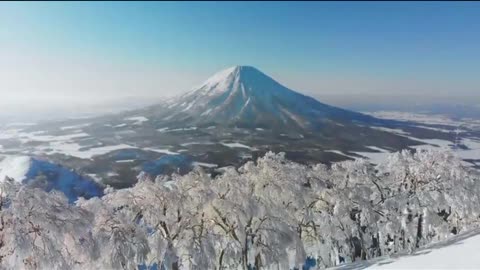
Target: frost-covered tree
[268,214]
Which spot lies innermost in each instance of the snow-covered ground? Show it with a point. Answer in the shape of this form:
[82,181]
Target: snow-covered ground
[25,169]
[74,149]
[427,118]
[459,252]
[375,157]
[473,151]
[237,145]
[473,144]
[162,151]
[14,167]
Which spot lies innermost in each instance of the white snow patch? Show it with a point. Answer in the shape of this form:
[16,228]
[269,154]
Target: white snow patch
[244,106]
[112,174]
[73,149]
[203,164]
[207,111]
[194,143]
[415,117]
[162,129]
[237,145]
[189,106]
[339,153]
[50,138]
[178,129]
[137,119]
[125,161]
[375,157]
[95,177]
[20,124]
[75,126]
[473,151]
[435,119]
[9,133]
[458,253]
[218,82]
[440,129]
[435,142]
[162,151]
[25,137]
[38,132]
[391,130]
[15,167]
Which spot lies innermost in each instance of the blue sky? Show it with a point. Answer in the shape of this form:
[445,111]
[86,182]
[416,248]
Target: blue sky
[114,49]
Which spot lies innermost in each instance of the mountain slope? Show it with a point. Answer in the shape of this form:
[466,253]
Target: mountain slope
[48,176]
[457,252]
[244,96]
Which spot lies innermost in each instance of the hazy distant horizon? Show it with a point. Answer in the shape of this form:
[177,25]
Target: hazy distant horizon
[74,54]
[357,102]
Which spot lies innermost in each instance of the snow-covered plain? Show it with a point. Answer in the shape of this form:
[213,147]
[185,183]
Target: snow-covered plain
[374,157]
[473,144]
[473,151]
[76,150]
[428,119]
[458,252]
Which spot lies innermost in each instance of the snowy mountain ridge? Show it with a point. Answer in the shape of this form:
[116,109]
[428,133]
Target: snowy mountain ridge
[48,176]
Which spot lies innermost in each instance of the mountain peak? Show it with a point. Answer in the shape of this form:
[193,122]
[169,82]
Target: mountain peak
[236,77]
[244,95]
[230,73]
[245,68]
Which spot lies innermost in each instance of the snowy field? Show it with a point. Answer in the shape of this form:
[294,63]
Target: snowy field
[459,252]
[427,119]
[472,144]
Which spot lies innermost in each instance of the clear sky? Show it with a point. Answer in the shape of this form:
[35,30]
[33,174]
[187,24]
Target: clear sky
[58,51]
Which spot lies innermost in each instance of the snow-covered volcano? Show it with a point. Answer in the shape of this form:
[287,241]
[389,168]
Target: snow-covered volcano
[245,96]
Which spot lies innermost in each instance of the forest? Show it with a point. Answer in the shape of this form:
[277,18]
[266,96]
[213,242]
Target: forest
[267,214]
